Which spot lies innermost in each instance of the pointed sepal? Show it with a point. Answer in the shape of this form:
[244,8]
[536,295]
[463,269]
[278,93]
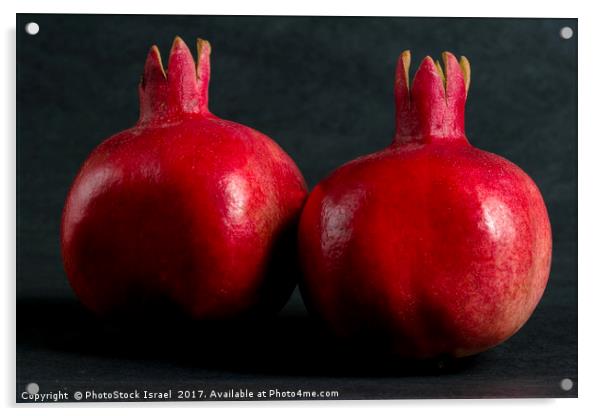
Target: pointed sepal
[432,106]
[180,90]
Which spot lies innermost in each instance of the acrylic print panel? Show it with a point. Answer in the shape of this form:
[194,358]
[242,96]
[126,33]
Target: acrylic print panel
[322,88]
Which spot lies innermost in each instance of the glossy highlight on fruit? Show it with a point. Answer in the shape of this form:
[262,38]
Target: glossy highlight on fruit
[430,247]
[184,210]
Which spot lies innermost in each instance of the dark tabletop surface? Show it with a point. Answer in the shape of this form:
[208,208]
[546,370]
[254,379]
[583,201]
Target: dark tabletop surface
[322,88]
[61,347]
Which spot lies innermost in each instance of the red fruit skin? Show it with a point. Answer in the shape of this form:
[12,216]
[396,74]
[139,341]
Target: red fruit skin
[430,247]
[184,209]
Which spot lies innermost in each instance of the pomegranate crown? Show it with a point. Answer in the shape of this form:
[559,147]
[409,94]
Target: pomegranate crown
[432,107]
[182,89]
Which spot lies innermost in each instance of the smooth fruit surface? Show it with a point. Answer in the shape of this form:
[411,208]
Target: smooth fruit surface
[184,209]
[430,247]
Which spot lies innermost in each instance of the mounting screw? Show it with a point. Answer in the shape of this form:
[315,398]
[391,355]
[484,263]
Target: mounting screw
[566,384]
[566,32]
[32,388]
[32,28]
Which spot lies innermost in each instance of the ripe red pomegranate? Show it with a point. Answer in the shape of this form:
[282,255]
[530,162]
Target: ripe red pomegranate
[430,247]
[183,209]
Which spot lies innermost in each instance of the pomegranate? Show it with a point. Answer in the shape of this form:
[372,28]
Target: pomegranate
[184,210]
[430,247]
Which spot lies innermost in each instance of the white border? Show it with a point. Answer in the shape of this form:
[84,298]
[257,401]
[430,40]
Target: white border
[590,209]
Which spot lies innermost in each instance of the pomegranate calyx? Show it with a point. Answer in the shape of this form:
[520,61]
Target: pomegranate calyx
[432,106]
[181,90]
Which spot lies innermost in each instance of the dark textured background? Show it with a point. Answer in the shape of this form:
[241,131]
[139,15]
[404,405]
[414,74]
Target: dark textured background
[322,87]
